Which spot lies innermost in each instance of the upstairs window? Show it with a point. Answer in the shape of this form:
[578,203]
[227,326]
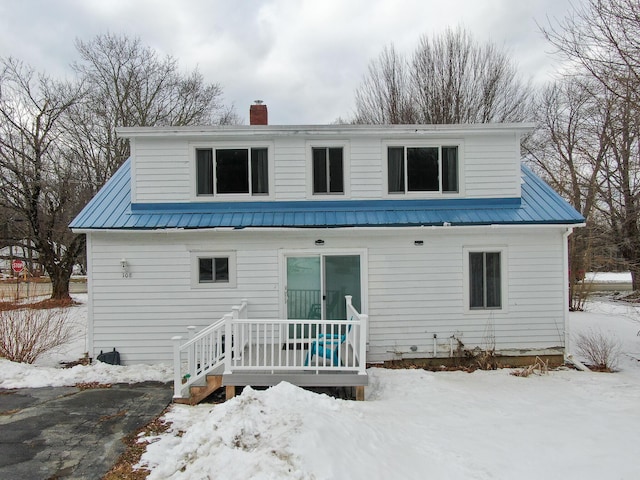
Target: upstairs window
[328,170]
[234,171]
[422,169]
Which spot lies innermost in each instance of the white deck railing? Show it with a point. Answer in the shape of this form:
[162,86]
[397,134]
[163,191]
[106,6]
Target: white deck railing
[272,346]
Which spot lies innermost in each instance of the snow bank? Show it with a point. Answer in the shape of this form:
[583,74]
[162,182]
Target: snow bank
[21,375]
[246,437]
[417,424]
[414,424]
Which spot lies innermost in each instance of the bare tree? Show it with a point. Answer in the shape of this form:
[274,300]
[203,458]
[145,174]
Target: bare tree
[570,143]
[457,80]
[128,84]
[620,192]
[38,183]
[602,38]
[58,144]
[384,97]
[449,79]
[601,41]
[569,149]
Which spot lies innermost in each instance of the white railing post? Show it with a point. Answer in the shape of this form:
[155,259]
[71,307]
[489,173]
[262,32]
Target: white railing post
[177,377]
[192,331]
[241,339]
[228,320]
[235,312]
[349,317]
[191,352]
[362,357]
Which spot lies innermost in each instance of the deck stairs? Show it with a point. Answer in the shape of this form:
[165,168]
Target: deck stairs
[197,393]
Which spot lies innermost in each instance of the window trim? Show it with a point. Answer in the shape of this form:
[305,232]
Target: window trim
[196,255]
[405,144]
[231,197]
[346,169]
[504,281]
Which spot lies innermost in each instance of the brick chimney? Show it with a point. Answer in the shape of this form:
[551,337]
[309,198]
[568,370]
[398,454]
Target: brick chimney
[258,114]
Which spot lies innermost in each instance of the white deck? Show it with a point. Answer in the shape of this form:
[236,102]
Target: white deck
[268,351]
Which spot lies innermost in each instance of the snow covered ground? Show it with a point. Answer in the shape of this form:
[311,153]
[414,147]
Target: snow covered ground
[47,372]
[608,277]
[414,425]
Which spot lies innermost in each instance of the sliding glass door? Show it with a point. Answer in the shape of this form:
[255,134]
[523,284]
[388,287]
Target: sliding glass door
[317,284]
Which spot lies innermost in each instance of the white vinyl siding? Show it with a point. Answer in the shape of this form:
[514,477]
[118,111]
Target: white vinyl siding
[413,291]
[420,290]
[163,169]
[290,169]
[492,166]
[366,168]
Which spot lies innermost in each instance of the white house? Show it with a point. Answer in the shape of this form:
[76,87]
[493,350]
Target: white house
[436,232]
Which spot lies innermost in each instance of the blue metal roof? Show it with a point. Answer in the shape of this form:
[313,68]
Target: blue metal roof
[111,208]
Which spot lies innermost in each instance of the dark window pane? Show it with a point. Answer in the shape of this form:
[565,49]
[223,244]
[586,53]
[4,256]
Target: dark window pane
[449,169]
[336,175]
[320,170]
[492,262]
[476,280]
[204,171]
[222,269]
[232,171]
[395,164]
[205,270]
[422,169]
[259,171]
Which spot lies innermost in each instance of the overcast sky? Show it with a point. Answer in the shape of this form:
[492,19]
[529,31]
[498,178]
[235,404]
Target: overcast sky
[303,58]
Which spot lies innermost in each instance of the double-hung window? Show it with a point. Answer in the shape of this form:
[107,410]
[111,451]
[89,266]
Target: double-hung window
[485,280]
[422,169]
[224,171]
[328,170]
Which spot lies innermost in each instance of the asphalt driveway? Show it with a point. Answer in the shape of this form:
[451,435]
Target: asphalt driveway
[65,432]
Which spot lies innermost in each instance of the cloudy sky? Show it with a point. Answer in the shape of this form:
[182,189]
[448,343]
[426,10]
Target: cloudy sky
[304,58]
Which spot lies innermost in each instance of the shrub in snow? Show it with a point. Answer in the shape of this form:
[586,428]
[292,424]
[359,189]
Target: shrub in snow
[26,334]
[600,350]
[539,367]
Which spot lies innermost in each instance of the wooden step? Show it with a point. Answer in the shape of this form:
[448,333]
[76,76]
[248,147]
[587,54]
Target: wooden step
[197,393]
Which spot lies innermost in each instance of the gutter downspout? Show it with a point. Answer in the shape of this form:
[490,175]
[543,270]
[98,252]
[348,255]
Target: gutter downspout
[568,356]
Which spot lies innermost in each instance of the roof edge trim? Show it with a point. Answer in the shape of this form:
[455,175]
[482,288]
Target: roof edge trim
[287,130]
[332,205]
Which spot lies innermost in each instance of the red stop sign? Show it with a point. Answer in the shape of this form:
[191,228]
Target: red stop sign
[17,265]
